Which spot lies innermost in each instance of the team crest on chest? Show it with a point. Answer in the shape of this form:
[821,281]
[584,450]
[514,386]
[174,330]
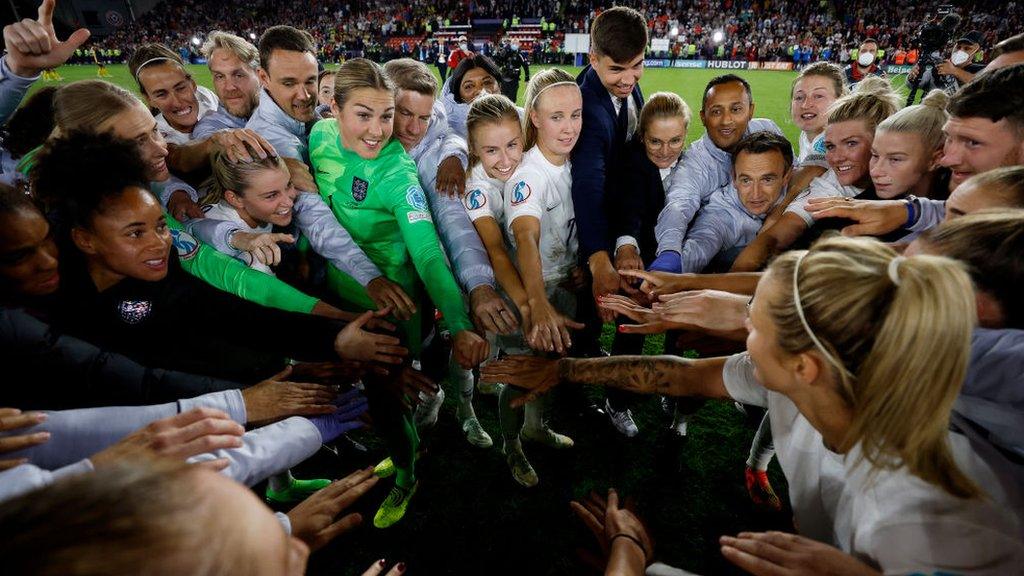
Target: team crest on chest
[520,192]
[476,199]
[359,188]
[134,311]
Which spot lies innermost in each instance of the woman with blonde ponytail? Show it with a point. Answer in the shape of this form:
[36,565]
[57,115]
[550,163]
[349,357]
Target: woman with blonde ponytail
[858,354]
[906,151]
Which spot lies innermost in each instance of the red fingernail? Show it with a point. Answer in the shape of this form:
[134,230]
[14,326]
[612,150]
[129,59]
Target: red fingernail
[401,567]
[382,562]
[622,328]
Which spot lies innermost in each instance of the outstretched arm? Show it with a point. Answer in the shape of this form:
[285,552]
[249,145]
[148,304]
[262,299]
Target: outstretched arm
[666,375]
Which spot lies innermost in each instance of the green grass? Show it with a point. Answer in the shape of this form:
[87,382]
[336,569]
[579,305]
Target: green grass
[470,517]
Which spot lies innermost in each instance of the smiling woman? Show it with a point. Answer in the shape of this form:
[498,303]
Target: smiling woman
[168,87]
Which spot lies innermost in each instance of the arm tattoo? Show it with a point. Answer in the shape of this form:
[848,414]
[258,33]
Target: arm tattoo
[668,375]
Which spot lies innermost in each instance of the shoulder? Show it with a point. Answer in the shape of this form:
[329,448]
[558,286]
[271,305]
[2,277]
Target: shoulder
[764,124]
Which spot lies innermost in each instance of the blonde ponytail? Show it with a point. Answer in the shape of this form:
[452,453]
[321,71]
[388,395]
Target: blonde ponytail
[872,101]
[897,333]
[925,119]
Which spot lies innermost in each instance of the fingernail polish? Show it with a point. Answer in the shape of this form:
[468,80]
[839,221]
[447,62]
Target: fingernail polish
[401,567]
[382,562]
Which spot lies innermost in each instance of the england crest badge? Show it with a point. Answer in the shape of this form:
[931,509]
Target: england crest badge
[359,188]
[134,311]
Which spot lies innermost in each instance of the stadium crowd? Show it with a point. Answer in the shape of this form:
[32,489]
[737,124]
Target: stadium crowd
[751,30]
[212,284]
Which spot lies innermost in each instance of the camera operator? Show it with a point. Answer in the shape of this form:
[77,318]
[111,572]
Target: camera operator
[509,60]
[932,40]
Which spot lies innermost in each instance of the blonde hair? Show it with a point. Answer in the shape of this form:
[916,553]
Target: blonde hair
[412,75]
[925,119]
[896,333]
[538,84]
[662,105]
[872,101]
[359,73]
[85,105]
[488,110]
[1007,183]
[989,243]
[825,70]
[109,522]
[243,49]
[234,176]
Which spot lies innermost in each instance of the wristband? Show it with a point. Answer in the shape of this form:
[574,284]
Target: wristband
[911,211]
[631,537]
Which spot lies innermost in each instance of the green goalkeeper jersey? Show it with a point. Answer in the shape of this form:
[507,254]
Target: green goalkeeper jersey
[382,206]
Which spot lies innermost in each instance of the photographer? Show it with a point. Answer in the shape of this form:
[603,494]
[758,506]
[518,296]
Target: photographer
[510,60]
[932,41]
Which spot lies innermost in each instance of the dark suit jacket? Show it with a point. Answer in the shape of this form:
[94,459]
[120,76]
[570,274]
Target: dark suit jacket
[636,199]
[595,161]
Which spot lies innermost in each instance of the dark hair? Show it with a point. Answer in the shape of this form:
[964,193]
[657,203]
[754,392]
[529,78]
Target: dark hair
[989,243]
[323,73]
[467,64]
[78,172]
[762,142]
[619,33]
[1011,44]
[994,95]
[868,39]
[31,124]
[12,200]
[725,79]
[147,52]
[284,38]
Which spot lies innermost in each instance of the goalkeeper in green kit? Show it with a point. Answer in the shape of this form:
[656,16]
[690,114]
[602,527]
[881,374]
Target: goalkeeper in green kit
[372,186]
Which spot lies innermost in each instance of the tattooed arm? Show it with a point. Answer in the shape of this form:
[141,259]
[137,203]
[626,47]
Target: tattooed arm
[667,375]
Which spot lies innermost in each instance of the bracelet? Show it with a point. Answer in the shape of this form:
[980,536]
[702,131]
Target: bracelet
[631,537]
[911,212]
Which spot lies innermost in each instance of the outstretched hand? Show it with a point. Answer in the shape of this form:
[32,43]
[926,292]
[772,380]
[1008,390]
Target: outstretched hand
[14,419]
[355,343]
[782,554]
[316,519]
[276,398]
[532,373]
[32,45]
[179,437]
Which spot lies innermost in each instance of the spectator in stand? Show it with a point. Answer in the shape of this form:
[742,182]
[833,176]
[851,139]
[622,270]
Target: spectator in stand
[866,64]
[460,53]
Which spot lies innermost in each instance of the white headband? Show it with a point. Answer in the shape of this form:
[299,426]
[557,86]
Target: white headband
[157,59]
[541,91]
[803,319]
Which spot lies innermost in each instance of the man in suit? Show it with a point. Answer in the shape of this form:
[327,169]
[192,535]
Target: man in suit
[611,112]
